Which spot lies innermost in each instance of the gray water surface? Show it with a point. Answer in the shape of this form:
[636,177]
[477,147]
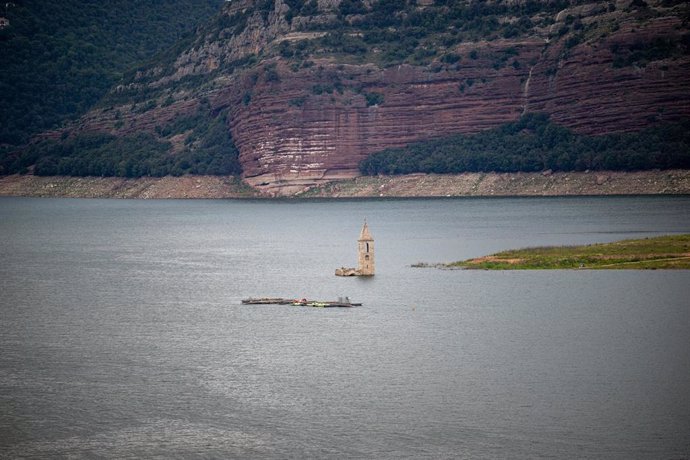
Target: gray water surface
[122,333]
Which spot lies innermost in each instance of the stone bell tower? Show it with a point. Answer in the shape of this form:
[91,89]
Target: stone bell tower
[366,252]
[365,247]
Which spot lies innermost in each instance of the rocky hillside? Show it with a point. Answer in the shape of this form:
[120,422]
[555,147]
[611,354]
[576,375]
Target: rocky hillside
[60,58]
[307,89]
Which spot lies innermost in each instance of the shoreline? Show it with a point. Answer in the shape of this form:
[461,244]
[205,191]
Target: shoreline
[593,183]
[668,252]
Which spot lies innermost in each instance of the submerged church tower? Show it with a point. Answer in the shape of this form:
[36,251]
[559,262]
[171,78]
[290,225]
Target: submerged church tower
[366,252]
[365,247]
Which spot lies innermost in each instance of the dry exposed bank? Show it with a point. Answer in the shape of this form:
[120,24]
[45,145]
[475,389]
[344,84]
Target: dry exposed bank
[117,187]
[414,185]
[511,184]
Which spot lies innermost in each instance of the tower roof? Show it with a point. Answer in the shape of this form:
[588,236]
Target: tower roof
[364,235]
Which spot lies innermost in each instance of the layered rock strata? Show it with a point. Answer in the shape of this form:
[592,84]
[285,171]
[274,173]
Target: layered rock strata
[297,127]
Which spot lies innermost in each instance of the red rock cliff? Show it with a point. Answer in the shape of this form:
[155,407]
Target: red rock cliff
[300,126]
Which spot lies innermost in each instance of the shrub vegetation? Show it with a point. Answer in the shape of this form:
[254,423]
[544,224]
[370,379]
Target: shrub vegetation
[208,149]
[535,144]
[60,58]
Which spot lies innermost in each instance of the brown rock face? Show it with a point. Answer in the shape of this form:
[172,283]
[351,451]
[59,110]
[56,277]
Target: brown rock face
[586,92]
[296,127]
[291,138]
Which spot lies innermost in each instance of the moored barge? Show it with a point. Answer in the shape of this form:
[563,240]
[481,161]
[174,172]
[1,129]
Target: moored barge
[343,302]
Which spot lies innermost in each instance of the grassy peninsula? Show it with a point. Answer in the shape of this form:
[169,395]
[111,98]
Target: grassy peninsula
[665,252]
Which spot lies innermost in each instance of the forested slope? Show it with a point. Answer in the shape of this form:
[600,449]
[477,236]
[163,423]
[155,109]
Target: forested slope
[60,57]
[533,143]
[297,93]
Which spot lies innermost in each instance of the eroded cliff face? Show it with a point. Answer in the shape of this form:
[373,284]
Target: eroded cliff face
[291,138]
[585,90]
[299,124]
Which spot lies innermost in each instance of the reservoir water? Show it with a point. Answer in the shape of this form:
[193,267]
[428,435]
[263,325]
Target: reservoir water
[122,333]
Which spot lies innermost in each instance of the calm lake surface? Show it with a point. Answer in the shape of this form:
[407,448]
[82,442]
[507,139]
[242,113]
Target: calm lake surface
[122,333]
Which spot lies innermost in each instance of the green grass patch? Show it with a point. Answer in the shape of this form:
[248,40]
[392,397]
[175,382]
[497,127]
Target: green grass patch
[665,252]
